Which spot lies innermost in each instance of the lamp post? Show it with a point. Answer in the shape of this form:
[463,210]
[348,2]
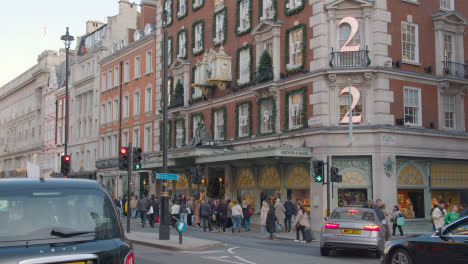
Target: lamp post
[67,39]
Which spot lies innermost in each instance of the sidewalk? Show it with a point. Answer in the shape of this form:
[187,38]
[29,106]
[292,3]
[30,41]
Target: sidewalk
[152,240]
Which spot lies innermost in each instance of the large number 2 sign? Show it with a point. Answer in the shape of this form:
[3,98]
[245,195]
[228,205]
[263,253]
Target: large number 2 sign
[355,96]
[354,24]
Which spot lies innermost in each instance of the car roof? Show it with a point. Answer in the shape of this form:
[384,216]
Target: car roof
[47,183]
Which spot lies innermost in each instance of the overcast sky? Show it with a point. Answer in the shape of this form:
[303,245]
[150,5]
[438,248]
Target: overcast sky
[23,23]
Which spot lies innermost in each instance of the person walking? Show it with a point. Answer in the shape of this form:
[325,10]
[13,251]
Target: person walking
[263,217]
[118,204]
[290,211]
[229,222]
[142,208]
[395,214]
[156,210]
[301,223]
[184,211]
[246,212]
[133,205]
[452,216]
[432,219]
[280,214]
[175,210]
[386,221]
[151,211]
[271,221]
[190,219]
[463,210]
[222,215]
[237,215]
[439,214]
[205,213]
[196,211]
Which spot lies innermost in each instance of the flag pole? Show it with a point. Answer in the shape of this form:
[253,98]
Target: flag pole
[350,114]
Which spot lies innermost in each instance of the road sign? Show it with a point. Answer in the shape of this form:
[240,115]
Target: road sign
[181,226]
[167,176]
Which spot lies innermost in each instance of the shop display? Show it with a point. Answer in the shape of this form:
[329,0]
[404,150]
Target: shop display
[450,197]
[248,195]
[352,197]
[302,196]
[411,203]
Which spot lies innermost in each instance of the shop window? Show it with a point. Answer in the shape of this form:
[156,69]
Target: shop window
[354,197]
[270,178]
[298,177]
[248,195]
[450,196]
[246,179]
[449,175]
[411,203]
[412,106]
[410,175]
[182,182]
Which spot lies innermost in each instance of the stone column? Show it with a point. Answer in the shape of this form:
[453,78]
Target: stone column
[283,169]
[228,182]
[384,181]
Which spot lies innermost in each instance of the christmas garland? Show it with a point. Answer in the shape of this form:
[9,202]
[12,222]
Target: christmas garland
[191,122]
[260,116]
[249,103]
[183,131]
[247,46]
[196,99]
[247,30]
[201,21]
[195,8]
[169,124]
[289,11]
[170,15]
[186,9]
[260,10]
[301,67]
[213,110]
[302,90]
[182,31]
[223,10]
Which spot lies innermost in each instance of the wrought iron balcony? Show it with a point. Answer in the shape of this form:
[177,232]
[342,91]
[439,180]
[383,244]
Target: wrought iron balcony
[453,69]
[349,59]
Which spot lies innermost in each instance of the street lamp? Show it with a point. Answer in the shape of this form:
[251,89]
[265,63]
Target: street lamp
[67,39]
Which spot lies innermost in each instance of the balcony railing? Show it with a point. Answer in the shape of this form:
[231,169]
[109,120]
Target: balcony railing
[349,59]
[453,69]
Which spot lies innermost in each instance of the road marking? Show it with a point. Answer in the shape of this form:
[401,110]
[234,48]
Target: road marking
[231,249]
[246,261]
[223,260]
[204,252]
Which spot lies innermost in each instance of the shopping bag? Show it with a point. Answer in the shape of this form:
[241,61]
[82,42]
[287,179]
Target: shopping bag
[308,235]
[400,221]
[150,211]
[251,212]
[156,219]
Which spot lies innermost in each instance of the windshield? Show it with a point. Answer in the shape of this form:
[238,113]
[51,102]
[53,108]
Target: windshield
[353,214]
[51,213]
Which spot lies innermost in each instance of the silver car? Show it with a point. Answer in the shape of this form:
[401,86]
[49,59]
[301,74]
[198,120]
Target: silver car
[352,228]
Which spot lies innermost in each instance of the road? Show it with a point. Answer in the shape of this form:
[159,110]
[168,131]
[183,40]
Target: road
[243,249]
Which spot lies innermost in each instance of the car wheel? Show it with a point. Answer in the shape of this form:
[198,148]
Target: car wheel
[324,252]
[400,256]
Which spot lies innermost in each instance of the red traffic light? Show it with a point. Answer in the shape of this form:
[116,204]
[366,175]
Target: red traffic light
[66,158]
[123,150]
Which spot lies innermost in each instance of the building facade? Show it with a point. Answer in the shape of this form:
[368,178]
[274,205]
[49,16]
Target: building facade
[99,41]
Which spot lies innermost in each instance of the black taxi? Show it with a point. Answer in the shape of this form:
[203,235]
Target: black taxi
[60,221]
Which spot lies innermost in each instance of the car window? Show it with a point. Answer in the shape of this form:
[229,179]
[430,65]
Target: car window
[458,230]
[354,214]
[33,214]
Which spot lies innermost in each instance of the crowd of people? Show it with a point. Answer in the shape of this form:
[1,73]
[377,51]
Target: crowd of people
[440,217]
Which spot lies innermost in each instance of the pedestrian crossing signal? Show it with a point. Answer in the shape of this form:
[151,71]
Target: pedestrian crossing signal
[318,170]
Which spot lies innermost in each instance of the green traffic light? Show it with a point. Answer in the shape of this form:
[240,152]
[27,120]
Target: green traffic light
[318,178]
[137,166]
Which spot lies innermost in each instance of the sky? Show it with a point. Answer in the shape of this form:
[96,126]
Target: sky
[22,25]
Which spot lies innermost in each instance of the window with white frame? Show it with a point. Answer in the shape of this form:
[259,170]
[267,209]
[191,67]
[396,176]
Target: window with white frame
[109,112]
[198,45]
[243,120]
[219,27]
[169,51]
[412,105]
[182,8]
[125,138]
[125,106]
[343,34]
[103,81]
[409,42]
[115,145]
[295,48]
[344,106]
[182,52]
[148,99]
[168,7]
[196,121]
[449,111]
[149,61]
[109,80]
[126,71]
[244,66]
[136,137]
[448,48]
[293,4]
[109,147]
[60,109]
[219,125]
[266,111]
[136,103]
[102,147]
[137,67]
[244,15]
[295,111]
[197,3]
[59,136]
[116,76]
[116,109]
[179,129]
[148,140]
[268,46]
[446,4]
[268,11]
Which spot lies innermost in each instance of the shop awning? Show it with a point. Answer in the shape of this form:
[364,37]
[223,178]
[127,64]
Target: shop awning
[231,155]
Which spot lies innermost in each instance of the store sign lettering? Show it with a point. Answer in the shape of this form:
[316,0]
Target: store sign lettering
[355,96]
[295,153]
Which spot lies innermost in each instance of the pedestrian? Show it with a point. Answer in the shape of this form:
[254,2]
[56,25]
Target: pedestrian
[222,211]
[237,216]
[432,219]
[175,210]
[151,211]
[301,223]
[124,205]
[118,204]
[395,214]
[142,208]
[271,221]
[184,211]
[263,217]
[156,210]
[202,195]
[386,221]
[133,205]
[368,204]
[439,214]
[463,210]
[190,219]
[246,210]
[280,214]
[196,211]
[205,213]
[452,216]
[378,210]
[290,211]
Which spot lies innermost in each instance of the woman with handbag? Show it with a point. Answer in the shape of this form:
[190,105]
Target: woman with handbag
[247,212]
[302,223]
[395,214]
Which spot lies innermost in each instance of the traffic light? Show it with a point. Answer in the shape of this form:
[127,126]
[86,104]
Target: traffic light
[318,171]
[137,158]
[123,159]
[335,177]
[65,165]
[196,175]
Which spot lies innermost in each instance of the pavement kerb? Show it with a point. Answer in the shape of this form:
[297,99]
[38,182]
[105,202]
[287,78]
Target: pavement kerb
[172,244]
[167,247]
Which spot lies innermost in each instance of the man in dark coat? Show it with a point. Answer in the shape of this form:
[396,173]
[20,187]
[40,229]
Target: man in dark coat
[271,222]
[222,211]
[152,203]
[205,214]
[290,210]
[143,207]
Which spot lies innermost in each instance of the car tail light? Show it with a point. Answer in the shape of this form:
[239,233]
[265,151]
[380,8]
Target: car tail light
[130,258]
[331,225]
[372,227]
[353,211]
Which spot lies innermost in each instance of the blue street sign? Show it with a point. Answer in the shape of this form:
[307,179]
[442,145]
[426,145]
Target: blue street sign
[180,226]
[167,176]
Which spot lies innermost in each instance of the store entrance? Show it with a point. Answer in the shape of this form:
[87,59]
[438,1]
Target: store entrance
[144,184]
[411,203]
[216,184]
[301,196]
[268,194]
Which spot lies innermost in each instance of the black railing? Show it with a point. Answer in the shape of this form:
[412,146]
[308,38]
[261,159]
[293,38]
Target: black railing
[454,69]
[349,59]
